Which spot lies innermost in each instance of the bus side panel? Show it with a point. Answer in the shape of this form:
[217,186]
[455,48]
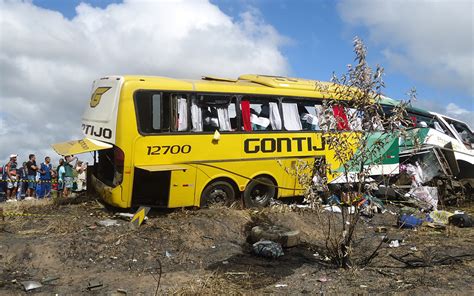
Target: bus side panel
[286,180]
[182,188]
[207,172]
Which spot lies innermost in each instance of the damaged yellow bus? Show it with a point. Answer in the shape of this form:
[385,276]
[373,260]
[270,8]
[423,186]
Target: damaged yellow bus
[166,142]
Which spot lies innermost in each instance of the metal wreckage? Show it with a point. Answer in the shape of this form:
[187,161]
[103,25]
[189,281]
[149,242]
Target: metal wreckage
[436,159]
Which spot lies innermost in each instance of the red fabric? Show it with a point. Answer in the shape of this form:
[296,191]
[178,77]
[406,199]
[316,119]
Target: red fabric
[245,106]
[341,118]
[413,120]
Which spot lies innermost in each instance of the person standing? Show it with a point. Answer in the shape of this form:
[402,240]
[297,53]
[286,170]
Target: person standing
[12,181]
[60,176]
[22,174]
[32,169]
[45,171]
[81,176]
[68,175]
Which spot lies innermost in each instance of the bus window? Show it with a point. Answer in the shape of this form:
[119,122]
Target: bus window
[354,118]
[309,116]
[179,113]
[260,115]
[150,108]
[291,117]
[303,115]
[213,112]
[464,132]
[156,113]
[430,121]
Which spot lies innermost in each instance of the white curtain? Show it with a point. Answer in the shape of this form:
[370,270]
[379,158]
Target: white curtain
[312,120]
[275,118]
[182,114]
[291,117]
[355,119]
[259,123]
[196,117]
[224,119]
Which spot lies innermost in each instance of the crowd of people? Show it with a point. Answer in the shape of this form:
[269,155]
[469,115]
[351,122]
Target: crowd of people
[31,180]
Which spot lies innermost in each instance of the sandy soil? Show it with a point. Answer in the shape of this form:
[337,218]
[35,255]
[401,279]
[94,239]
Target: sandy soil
[205,252]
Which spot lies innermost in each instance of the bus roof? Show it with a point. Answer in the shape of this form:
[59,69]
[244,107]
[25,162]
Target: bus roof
[248,83]
[391,102]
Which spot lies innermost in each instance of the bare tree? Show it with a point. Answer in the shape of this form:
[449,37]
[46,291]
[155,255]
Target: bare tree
[357,132]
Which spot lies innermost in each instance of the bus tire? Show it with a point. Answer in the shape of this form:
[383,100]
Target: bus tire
[217,193]
[286,237]
[259,192]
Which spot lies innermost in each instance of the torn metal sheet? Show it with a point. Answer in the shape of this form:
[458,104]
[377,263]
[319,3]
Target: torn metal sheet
[31,285]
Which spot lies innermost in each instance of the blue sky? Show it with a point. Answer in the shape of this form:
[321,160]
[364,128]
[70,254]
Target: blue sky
[318,42]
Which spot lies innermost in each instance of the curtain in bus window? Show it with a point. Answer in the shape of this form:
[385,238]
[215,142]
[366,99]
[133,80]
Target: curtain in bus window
[196,117]
[377,124]
[310,122]
[182,114]
[259,123]
[320,115]
[224,119]
[291,117]
[355,119]
[245,106]
[275,118]
[341,118]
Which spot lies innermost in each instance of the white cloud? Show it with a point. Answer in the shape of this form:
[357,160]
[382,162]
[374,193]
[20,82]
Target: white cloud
[430,41]
[48,62]
[451,110]
[455,109]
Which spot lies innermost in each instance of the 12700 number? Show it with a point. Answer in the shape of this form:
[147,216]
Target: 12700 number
[175,149]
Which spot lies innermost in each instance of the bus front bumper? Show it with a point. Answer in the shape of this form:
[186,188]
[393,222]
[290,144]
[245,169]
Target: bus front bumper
[110,195]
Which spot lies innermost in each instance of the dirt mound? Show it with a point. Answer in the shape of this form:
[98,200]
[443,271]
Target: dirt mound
[206,252]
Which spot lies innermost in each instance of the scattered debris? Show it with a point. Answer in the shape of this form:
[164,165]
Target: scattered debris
[284,236]
[281,285]
[334,209]
[94,285]
[31,285]
[409,221]
[394,244]
[108,223]
[49,279]
[139,216]
[461,220]
[127,216]
[268,249]
[441,217]
[323,279]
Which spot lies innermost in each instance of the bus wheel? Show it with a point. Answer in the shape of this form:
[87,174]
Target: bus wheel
[217,193]
[259,192]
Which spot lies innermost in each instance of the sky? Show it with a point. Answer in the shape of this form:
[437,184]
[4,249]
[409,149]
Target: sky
[52,50]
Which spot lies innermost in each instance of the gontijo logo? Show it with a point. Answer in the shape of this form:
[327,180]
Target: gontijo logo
[97,95]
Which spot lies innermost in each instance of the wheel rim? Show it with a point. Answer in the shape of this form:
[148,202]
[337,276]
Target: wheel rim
[218,196]
[259,193]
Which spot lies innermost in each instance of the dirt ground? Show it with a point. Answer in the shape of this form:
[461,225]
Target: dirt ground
[205,252]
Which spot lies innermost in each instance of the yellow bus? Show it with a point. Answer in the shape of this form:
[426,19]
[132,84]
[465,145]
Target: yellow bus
[166,142]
